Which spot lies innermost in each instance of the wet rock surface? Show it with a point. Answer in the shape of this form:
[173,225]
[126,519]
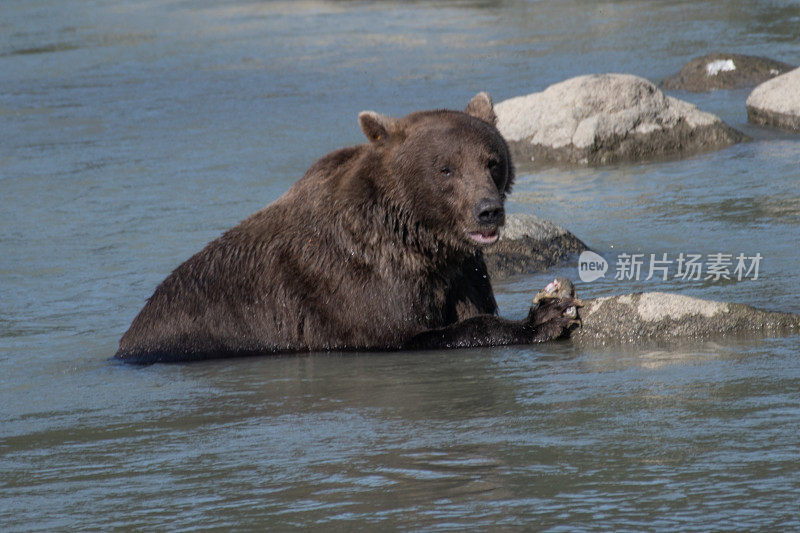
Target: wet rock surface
[776,102]
[658,316]
[530,244]
[725,71]
[606,118]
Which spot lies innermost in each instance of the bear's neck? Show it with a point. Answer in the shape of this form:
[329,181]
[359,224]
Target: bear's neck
[388,236]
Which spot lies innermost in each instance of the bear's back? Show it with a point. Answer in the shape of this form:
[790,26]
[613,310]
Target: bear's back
[343,260]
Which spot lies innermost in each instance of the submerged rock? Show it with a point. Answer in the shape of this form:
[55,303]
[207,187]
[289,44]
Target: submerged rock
[529,244]
[725,71]
[777,102]
[606,118]
[658,316]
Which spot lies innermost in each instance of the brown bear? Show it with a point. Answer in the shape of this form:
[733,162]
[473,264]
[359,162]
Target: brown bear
[376,247]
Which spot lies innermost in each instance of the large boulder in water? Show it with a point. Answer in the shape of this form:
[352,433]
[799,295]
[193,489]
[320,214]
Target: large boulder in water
[530,244]
[606,118]
[777,102]
[658,316]
[725,71]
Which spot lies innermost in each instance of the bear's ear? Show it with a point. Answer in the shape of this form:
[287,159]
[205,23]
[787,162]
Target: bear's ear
[481,107]
[375,126]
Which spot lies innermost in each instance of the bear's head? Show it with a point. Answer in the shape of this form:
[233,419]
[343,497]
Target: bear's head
[448,171]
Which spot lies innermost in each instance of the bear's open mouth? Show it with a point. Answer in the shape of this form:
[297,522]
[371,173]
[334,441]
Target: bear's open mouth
[484,237]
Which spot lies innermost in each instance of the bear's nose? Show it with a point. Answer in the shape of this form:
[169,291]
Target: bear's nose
[490,211]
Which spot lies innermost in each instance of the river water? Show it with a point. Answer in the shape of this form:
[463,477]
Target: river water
[133,132]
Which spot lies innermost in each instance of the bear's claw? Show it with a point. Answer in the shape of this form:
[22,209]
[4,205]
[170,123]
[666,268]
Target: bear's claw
[555,318]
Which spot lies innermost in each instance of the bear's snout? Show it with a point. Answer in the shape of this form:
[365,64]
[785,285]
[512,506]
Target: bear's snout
[490,212]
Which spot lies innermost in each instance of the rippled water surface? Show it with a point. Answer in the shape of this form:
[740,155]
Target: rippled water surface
[133,132]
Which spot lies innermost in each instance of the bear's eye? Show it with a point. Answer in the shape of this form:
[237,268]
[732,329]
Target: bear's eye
[445,171]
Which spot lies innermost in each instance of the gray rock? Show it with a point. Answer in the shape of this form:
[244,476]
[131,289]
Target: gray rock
[658,316]
[724,71]
[529,244]
[777,102]
[606,118]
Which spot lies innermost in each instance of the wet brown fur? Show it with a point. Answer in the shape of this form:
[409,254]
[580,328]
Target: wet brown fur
[368,250]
